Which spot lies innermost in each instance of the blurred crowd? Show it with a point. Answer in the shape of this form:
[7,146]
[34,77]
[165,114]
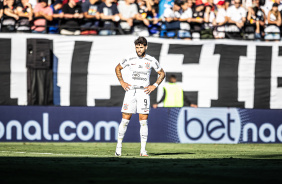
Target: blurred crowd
[183,19]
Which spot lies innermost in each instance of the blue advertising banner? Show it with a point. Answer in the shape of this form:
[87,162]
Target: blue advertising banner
[180,125]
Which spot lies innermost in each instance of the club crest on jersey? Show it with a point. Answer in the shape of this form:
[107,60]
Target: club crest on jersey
[147,65]
[125,106]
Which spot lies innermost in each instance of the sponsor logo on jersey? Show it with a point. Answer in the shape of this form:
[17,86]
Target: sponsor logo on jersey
[125,106]
[132,58]
[139,78]
[147,65]
[144,73]
[145,109]
[124,61]
[140,66]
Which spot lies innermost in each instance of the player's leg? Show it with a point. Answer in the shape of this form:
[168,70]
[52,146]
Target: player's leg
[122,128]
[143,119]
[128,108]
[143,107]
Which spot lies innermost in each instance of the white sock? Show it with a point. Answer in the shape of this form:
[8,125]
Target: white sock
[121,131]
[143,134]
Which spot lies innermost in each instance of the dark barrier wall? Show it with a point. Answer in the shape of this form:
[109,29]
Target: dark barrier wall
[216,73]
[100,124]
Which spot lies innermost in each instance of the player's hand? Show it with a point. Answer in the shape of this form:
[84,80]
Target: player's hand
[125,86]
[155,106]
[194,105]
[149,89]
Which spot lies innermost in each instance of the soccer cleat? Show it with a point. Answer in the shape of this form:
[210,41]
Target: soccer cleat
[144,154]
[118,151]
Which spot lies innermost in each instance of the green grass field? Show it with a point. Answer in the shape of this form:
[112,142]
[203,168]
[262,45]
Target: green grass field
[168,163]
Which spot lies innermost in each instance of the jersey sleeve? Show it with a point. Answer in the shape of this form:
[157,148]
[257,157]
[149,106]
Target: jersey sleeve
[167,13]
[229,12]
[156,65]
[244,12]
[124,63]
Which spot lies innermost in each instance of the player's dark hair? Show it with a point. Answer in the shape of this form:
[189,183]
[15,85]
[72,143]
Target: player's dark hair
[141,40]
[178,2]
[275,5]
[172,76]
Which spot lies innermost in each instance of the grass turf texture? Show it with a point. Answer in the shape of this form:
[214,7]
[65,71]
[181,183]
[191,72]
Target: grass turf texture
[168,163]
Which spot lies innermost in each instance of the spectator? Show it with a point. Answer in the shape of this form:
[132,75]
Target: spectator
[186,10]
[110,15]
[236,15]
[247,4]
[155,8]
[220,21]
[145,12]
[209,15]
[128,12]
[227,3]
[172,18]
[197,19]
[173,13]
[173,95]
[1,8]
[164,4]
[25,13]
[9,17]
[266,6]
[272,31]
[209,18]
[279,2]
[155,24]
[90,12]
[185,18]
[57,14]
[257,18]
[73,15]
[42,14]
[33,3]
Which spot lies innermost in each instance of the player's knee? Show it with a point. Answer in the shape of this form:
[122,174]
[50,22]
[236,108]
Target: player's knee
[126,116]
[143,122]
[143,117]
[125,122]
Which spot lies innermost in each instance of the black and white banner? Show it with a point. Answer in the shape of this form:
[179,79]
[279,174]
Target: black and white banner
[216,73]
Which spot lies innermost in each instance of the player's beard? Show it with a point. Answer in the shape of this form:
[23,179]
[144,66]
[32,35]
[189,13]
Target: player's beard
[142,54]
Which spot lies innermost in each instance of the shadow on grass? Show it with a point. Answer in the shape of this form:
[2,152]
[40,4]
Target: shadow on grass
[138,170]
[268,156]
[159,154]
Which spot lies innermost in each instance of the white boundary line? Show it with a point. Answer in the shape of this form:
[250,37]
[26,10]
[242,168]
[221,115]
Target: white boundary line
[61,154]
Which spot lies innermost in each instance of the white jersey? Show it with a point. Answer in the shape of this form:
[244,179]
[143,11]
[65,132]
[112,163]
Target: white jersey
[220,16]
[140,69]
[236,14]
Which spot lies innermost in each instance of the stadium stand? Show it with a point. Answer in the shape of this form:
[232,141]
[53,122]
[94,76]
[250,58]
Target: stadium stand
[191,19]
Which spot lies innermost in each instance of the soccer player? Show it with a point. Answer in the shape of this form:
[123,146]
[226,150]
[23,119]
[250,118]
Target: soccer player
[138,89]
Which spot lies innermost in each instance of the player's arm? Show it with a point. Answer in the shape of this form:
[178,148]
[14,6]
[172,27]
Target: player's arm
[151,88]
[120,79]
[161,76]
